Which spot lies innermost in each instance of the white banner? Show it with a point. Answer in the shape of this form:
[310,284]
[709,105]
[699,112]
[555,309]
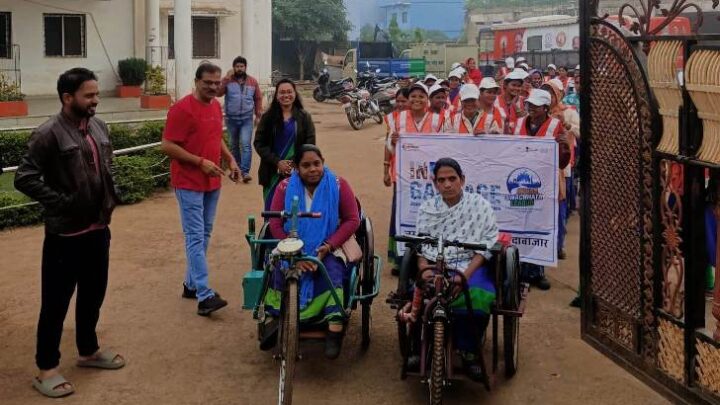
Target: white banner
[517,175]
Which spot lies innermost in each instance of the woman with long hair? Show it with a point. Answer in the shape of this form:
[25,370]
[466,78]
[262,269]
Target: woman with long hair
[283,128]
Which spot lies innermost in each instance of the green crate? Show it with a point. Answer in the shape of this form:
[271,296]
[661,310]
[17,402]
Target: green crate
[252,288]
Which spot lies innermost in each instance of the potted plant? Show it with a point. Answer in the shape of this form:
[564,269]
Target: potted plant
[132,74]
[12,101]
[155,96]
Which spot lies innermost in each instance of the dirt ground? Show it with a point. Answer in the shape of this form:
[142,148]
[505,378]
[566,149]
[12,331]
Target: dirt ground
[177,357]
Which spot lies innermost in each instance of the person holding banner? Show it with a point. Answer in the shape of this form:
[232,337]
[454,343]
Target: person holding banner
[417,119]
[401,102]
[540,124]
[510,101]
[467,217]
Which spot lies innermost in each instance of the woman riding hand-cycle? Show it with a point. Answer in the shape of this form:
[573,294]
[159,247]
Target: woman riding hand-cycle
[458,216]
[318,190]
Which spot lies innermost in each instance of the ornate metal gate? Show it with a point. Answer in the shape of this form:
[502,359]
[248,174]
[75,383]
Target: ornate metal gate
[650,167]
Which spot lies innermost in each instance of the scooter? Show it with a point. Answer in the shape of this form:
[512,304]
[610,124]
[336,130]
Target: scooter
[331,89]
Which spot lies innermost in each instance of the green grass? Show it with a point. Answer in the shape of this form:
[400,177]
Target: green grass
[6,183]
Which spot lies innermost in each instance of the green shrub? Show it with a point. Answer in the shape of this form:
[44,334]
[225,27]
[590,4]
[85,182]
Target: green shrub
[121,136]
[132,71]
[9,89]
[156,81]
[12,216]
[150,132]
[133,179]
[13,145]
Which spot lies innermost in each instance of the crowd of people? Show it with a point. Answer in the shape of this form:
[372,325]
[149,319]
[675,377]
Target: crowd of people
[68,169]
[519,100]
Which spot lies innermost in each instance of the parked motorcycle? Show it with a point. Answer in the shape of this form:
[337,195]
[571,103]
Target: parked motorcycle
[359,106]
[331,89]
[381,90]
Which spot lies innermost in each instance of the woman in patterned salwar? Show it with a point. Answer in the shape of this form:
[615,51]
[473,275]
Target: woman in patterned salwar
[466,217]
[319,190]
[283,128]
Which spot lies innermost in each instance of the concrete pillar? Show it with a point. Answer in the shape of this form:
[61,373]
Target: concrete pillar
[183,48]
[153,42]
[257,38]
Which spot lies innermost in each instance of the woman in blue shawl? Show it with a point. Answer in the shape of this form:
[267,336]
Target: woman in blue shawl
[318,190]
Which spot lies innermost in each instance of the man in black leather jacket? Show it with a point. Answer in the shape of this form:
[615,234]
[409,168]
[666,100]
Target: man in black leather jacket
[67,168]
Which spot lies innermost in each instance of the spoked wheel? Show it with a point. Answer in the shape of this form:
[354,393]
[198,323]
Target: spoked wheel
[289,342]
[437,365]
[511,324]
[317,95]
[379,118]
[354,118]
[368,280]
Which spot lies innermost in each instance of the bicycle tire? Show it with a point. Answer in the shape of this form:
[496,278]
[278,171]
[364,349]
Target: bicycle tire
[367,282]
[437,365]
[289,336]
[511,324]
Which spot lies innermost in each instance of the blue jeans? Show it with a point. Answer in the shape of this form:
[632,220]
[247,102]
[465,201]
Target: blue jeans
[562,224]
[240,131]
[197,213]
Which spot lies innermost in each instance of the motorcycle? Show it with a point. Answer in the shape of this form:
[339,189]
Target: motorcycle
[382,90]
[359,106]
[331,89]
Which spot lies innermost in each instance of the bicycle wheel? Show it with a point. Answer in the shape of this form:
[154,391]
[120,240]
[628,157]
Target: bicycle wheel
[437,365]
[511,324]
[368,281]
[289,340]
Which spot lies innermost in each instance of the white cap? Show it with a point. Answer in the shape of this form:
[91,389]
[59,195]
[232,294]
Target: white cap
[456,73]
[430,76]
[421,86]
[558,83]
[469,91]
[517,74]
[488,83]
[455,66]
[510,62]
[520,59]
[524,66]
[539,97]
[435,88]
[577,67]
[552,66]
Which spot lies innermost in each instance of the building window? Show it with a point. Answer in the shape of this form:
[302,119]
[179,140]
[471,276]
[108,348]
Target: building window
[404,18]
[534,43]
[205,44]
[5,36]
[64,35]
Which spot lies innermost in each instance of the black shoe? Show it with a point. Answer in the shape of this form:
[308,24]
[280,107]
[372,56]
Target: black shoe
[270,335]
[210,305]
[542,283]
[576,302]
[188,293]
[473,370]
[562,255]
[333,344]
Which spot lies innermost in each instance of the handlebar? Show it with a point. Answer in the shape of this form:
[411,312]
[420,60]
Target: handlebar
[288,214]
[433,241]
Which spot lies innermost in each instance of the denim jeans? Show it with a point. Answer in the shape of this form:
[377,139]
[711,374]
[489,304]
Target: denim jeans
[562,224]
[240,131]
[197,213]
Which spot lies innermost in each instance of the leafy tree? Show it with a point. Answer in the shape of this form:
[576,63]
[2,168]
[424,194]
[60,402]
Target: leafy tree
[308,22]
[367,33]
[418,35]
[396,34]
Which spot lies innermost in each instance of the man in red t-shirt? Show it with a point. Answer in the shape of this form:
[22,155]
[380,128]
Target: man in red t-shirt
[193,140]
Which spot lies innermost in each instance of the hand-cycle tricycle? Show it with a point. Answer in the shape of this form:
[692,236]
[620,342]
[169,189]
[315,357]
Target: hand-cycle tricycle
[363,284]
[429,340]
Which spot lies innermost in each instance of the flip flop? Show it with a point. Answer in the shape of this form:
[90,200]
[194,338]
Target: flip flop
[48,385]
[104,360]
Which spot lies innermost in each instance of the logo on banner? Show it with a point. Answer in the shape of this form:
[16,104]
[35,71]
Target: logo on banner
[523,187]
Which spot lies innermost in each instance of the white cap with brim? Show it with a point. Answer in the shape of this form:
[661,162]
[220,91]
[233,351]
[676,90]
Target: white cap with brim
[524,66]
[469,91]
[420,86]
[520,59]
[435,88]
[455,65]
[551,66]
[430,77]
[517,74]
[456,73]
[539,98]
[510,63]
[488,83]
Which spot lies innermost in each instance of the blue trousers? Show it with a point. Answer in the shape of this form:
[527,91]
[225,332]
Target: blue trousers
[240,131]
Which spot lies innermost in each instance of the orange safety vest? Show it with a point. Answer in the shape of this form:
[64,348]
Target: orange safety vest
[460,126]
[431,123]
[551,127]
[510,114]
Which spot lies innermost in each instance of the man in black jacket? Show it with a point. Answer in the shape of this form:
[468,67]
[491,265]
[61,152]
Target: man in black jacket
[68,170]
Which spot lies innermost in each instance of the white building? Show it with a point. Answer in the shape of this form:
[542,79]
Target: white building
[45,38]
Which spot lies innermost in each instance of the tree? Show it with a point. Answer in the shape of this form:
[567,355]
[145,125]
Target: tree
[308,22]
[396,34]
[367,33]
[418,35]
